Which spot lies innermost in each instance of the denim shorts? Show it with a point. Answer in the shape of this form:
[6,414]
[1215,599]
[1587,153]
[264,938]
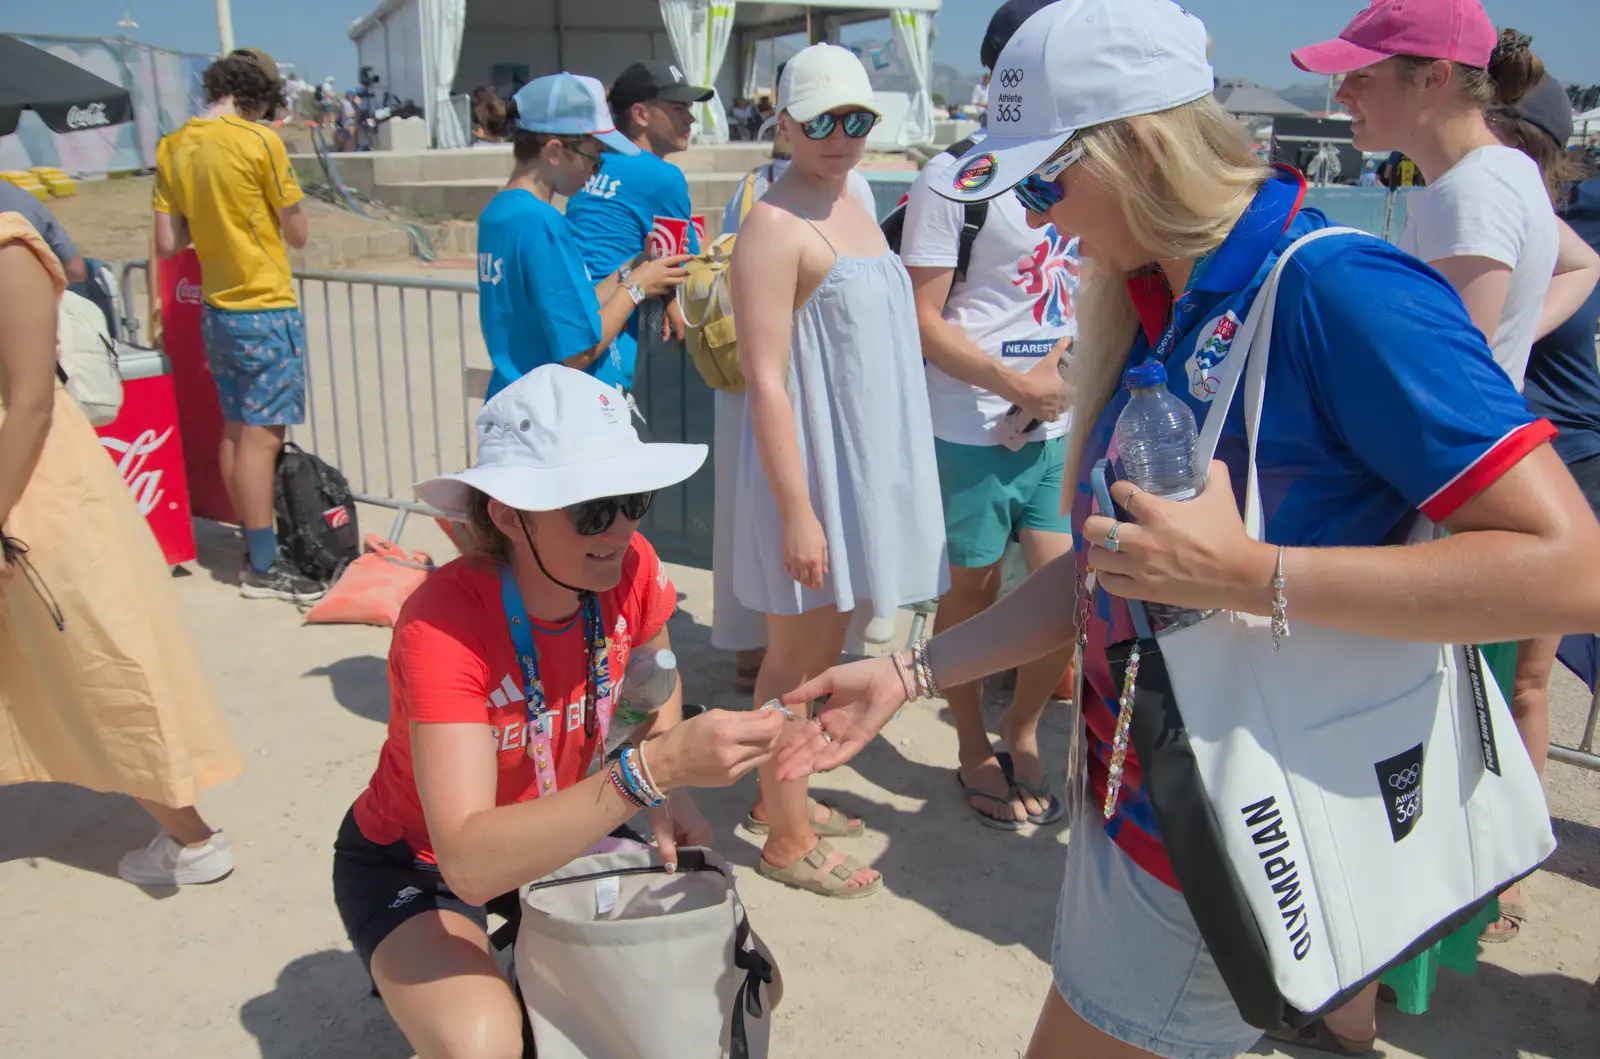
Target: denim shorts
[258,360]
[1129,960]
[991,492]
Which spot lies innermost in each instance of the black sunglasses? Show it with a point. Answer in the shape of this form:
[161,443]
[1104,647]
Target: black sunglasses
[593,159]
[857,123]
[593,517]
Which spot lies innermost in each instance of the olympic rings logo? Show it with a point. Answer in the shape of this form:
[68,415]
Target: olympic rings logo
[1405,777]
[1010,78]
[1008,112]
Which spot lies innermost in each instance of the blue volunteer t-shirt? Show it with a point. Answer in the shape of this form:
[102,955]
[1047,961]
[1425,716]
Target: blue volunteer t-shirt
[1563,381]
[1382,400]
[536,304]
[614,215]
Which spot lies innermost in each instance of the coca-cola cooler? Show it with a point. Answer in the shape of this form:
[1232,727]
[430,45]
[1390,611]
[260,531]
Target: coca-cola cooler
[196,392]
[146,445]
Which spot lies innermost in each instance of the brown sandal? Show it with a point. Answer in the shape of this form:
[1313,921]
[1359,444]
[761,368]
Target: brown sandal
[807,874]
[1513,912]
[836,825]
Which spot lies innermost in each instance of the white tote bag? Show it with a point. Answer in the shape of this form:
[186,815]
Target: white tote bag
[1333,808]
[616,959]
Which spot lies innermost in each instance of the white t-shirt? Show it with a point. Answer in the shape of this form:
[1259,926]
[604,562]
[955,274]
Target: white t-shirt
[767,172]
[1016,302]
[980,95]
[1493,204]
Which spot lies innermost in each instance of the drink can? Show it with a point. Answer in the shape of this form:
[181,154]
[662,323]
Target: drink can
[668,237]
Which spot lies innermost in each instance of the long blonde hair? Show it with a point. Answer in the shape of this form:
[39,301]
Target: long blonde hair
[1183,177]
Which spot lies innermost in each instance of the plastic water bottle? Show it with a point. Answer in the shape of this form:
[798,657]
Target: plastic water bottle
[1156,439]
[651,678]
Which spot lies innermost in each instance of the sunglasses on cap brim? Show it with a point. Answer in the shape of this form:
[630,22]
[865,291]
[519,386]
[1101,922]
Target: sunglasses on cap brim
[857,123]
[1041,189]
[593,517]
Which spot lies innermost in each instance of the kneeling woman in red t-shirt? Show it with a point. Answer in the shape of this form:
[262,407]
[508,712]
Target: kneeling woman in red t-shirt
[527,636]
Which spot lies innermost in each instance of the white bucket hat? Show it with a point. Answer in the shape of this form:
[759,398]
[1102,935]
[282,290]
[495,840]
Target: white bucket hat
[557,437]
[1073,65]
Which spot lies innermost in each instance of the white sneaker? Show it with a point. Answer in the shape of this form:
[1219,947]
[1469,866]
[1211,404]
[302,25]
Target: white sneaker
[878,630]
[164,862]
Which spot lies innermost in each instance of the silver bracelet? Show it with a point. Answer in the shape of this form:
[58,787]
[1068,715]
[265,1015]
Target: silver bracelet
[1280,607]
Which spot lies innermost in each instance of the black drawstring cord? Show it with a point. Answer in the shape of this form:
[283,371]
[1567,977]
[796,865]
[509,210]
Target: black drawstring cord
[16,553]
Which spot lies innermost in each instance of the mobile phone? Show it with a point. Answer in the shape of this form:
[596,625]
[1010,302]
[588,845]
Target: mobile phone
[1100,482]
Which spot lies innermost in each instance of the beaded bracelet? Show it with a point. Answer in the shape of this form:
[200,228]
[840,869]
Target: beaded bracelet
[622,787]
[634,777]
[644,767]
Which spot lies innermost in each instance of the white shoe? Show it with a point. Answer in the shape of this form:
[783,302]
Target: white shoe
[164,862]
[879,630]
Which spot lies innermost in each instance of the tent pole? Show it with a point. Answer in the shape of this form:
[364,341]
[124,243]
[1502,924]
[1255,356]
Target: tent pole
[225,25]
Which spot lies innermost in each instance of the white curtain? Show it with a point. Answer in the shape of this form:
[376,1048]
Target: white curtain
[913,35]
[748,86]
[699,31]
[442,24]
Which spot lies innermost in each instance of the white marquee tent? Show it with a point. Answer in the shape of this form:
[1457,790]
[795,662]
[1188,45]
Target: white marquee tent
[431,50]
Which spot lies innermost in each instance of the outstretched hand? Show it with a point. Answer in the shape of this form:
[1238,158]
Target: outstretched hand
[862,697]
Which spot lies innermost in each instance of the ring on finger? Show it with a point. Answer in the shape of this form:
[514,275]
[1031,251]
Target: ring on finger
[1112,544]
[1135,491]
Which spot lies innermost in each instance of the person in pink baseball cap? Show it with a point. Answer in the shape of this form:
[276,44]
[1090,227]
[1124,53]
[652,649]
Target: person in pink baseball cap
[1425,77]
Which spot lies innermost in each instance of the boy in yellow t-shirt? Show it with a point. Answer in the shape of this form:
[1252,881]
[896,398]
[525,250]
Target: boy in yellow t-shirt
[224,183]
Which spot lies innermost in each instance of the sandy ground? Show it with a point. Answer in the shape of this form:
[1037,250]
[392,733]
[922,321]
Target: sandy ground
[110,219]
[949,961]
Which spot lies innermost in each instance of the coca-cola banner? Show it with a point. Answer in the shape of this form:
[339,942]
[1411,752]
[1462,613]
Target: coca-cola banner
[200,416]
[165,88]
[143,442]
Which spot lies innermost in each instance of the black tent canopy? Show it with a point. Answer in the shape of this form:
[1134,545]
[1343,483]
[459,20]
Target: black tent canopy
[68,98]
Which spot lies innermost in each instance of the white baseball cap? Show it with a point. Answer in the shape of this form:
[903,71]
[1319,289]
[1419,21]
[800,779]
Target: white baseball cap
[557,437]
[824,77]
[570,105]
[1073,65]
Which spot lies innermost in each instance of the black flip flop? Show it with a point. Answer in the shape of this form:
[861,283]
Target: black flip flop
[977,792]
[1054,808]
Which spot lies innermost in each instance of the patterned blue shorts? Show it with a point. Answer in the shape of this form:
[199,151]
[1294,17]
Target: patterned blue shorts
[258,360]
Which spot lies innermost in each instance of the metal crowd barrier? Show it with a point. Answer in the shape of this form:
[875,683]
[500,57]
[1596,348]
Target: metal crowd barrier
[391,381]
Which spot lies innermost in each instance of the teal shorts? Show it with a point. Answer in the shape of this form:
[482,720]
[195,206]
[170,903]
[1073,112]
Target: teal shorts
[990,493]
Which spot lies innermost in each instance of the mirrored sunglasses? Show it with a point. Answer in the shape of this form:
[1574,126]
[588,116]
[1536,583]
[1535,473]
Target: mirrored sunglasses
[857,123]
[1042,188]
[593,517]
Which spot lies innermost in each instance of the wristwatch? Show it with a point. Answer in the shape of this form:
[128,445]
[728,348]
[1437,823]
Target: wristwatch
[624,272]
[635,292]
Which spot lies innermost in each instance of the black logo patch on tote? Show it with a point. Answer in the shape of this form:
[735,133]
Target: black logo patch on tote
[1400,781]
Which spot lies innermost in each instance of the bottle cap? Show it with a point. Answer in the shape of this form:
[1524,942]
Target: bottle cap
[666,660]
[1146,373]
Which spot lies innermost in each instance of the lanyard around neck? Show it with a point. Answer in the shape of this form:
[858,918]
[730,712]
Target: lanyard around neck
[597,682]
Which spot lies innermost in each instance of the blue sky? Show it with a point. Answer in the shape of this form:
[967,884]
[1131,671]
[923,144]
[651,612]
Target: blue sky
[1253,37]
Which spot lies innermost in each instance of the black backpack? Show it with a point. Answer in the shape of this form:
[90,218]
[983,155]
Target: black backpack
[894,224]
[316,514]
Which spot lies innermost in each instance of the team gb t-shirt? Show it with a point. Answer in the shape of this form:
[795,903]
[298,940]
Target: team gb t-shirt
[451,662]
[1015,304]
